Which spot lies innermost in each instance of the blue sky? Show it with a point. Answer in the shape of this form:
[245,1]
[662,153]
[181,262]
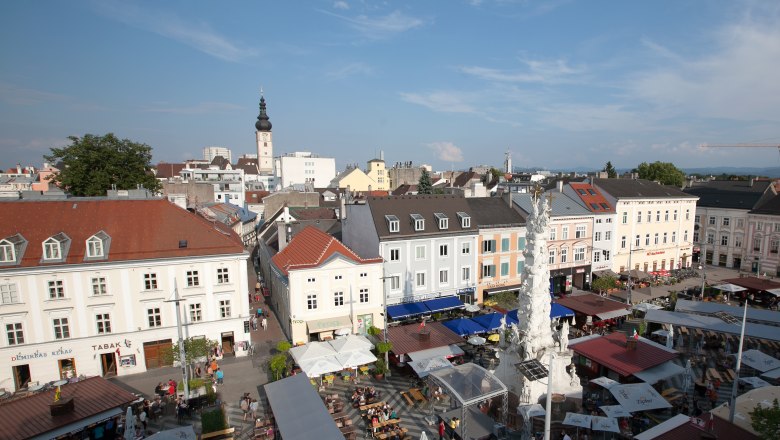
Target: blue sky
[449,83]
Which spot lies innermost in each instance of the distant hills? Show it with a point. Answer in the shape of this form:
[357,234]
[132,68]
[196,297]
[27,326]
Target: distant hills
[715,171]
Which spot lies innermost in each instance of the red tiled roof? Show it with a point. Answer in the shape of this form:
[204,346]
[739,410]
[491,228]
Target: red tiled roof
[753,283]
[139,229]
[722,429]
[588,198]
[166,170]
[30,416]
[310,248]
[406,338]
[590,304]
[255,196]
[610,351]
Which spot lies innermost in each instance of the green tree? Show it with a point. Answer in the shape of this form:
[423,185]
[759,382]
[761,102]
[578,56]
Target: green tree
[283,346]
[278,365]
[602,284]
[91,164]
[664,172]
[194,349]
[610,170]
[766,421]
[424,185]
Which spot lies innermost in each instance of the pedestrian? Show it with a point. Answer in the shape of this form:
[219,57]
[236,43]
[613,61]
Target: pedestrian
[244,405]
[441,429]
[566,436]
[254,323]
[253,407]
[142,418]
[265,323]
[220,376]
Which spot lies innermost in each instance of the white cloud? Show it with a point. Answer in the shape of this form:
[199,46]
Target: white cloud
[447,151]
[200,108]
[351,69]
[445,102]
[380,27]
[197,35]
[18,95]
[536,71]
[340,5]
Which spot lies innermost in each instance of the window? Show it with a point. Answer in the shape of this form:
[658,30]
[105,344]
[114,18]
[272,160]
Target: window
[395,282]
[94,247]
[488,246]
[9,294]
[52,249]
[759,226]
[696,218]
[647,239]
[363,274]
[338,299]
[61,328]
[597,236]
[623,242]
[444,222]
[598,220]
[687,214]
[738,241]
[606,256]
[418,221]
[649,216]
[596,256]
[465,248]
[724,240]
[696,236]
[777,227]
[395,254]
[7,252]
[99,286]
[655,239]
[103,321]
[711,220]
[520,267]
[15,333]
[154,317]
[757,244]
[311,302]
[565,233]
[150,281]
[773,245]
[551,258]
[564,254]
[608,235]
[443,250]
[552,233]
[420,279]
[504,268]
[740,223]
[710,238]
[625,217]
[393,225]
[56,289]
[223,276]
[363,296]
[520,243]
[419,252]
[224,308]
[579,254]
[636,241]
[666,216]
[465,220]
[665,237]
[311,280]
[465,274]
[726,221]
[488,270]
[658,216]
[444,276]
[338,277]
[505,245]
[196,314]
[580,233]
[193,280]
[675,215]
[639,216]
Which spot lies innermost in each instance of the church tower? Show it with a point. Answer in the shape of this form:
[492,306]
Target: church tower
[265,146]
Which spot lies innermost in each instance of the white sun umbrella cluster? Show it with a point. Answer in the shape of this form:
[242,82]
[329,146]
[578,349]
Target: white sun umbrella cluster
[318,358]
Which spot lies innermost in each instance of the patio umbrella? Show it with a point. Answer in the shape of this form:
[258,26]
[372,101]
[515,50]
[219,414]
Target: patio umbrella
[604,382]
[343,331]
[129,424]
[472,308]
[477,340]
[604,424]
[729,288]
[423,436]
[495,337]
[755,382]
[577,419]
[615,411]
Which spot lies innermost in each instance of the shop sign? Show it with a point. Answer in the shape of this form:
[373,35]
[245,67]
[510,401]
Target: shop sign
[656,253]
[112,345]
[38,354]
[469,290]
[580,270]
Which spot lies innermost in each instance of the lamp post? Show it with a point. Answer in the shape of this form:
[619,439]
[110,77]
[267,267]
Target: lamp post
[703,268]
[733,401]
[182,359]
[384,315]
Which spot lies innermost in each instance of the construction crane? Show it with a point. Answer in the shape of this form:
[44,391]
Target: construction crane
[743,145]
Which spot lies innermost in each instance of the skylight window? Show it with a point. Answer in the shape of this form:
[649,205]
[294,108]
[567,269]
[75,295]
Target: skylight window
[392,223]
[418,221]
[444,222]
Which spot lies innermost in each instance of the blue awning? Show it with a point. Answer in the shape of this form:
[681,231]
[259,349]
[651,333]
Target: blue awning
[406,310]
[490,321]
[511,317]
[444,303]
[464,327]
[559,311]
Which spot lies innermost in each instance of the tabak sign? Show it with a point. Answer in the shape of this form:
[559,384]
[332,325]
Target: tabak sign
[117,345]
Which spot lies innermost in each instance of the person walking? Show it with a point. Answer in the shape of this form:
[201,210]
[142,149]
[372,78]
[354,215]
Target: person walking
[220,376]
[254,323]
[244,405]
[441,429]
[265,323]
[253,408]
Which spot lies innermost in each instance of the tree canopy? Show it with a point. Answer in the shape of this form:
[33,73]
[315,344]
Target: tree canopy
[603,284]
[424,185]
[194,350]
[91,164]
[610,170]
[664,172]
[766,421]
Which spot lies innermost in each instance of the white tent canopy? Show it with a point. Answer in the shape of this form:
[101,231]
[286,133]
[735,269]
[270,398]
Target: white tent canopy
[356,358]
[775,292]
[772,374]
[638,397]
[604,382]
[728,287]
[604,424]
[446,351]
[755,382]
[644,307]
[660,372]
[351,343]
[615,411]
[319,366]
[760,361]
[310,351]
[578,420]
[425,366]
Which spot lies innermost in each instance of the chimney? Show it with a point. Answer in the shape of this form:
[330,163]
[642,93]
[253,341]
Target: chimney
[560,185]
[342,204]
[630,343]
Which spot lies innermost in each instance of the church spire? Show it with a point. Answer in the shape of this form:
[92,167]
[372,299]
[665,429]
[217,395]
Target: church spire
[262,124]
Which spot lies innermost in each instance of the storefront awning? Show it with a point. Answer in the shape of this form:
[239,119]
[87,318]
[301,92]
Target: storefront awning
[559,311]
[494,290]
[659,372]
[444,303]
[406,310]
[613,314]
[327,324]
[447,351]
[80,425]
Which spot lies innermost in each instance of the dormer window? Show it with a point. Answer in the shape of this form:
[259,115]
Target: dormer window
[418,221]
[444,222]
[11,250]
[7,252]
[55,248]
[97,246]
[465,220]
[392,223]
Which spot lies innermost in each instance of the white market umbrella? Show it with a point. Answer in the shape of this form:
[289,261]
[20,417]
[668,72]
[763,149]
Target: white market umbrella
[604,424]
[423,436]
[351,343]
[356,358]
[320,366]
[477,340]
[312,350]
[670,338]
[342,332]
[129,424]
[729,288]
[604,382]
[615,411]
[755,382]
[472,308]
[578,420]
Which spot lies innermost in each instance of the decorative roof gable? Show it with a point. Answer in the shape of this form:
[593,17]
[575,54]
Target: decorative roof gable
[310,248]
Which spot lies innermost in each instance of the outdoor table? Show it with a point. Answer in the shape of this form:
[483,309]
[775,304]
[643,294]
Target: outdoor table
[386,423]
[683,330]
[713,373]
[417,395]
[339,415]
[371,405]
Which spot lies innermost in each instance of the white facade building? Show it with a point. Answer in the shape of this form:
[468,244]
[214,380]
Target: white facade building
[303,167]
[85,287]
[209,153]
[228,184]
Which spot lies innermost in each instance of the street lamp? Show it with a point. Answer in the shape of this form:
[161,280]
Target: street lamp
[733,401]
[175,299]
[384,315]
[703,269]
